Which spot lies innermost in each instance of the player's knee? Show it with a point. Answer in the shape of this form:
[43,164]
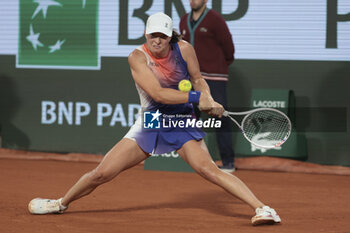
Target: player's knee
[209,172]
[98,177]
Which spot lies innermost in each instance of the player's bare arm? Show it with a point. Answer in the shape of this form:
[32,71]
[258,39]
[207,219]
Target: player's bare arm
[145,78]
[206,102]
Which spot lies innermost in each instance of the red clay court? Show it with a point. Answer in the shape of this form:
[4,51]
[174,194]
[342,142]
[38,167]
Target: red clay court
[154,201]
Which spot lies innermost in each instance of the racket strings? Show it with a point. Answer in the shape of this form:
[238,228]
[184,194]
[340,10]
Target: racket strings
[266,127]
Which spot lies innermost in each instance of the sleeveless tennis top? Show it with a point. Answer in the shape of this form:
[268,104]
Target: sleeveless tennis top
[169,71]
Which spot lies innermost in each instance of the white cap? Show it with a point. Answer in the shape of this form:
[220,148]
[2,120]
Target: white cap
[159,22]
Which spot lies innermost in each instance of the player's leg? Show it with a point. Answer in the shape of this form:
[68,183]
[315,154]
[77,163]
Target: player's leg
[123,155]
[197,156]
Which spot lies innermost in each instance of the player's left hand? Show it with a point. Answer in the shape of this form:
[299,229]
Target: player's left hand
[217,110]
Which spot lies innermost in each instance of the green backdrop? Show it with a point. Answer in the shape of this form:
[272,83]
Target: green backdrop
[316,84]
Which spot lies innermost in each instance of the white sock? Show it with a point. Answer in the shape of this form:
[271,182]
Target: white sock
[62,207]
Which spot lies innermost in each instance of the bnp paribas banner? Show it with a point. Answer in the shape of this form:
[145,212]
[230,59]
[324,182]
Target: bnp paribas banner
[58,34]
[75,34]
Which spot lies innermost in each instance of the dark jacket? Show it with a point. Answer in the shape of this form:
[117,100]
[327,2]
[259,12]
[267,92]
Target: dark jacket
[212,42]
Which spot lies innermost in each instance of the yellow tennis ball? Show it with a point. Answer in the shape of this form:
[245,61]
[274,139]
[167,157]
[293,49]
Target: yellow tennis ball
[185,85]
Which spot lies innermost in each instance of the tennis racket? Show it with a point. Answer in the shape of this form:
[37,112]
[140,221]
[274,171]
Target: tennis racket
[263,127]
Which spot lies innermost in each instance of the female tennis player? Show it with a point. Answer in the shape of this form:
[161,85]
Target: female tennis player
[157,67]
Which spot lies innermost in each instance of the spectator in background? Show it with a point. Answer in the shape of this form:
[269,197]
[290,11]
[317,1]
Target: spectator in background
[207,31]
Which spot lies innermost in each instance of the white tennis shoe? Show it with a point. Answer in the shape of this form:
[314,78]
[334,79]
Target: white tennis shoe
[46,206]
[265,215]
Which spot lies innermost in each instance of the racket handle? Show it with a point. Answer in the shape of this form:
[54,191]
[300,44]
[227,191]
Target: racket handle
[225,114]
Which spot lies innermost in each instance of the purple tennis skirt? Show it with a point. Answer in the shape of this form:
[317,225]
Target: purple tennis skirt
[159,141]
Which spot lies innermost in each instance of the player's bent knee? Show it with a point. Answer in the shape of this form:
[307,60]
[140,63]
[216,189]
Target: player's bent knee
[98,177]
